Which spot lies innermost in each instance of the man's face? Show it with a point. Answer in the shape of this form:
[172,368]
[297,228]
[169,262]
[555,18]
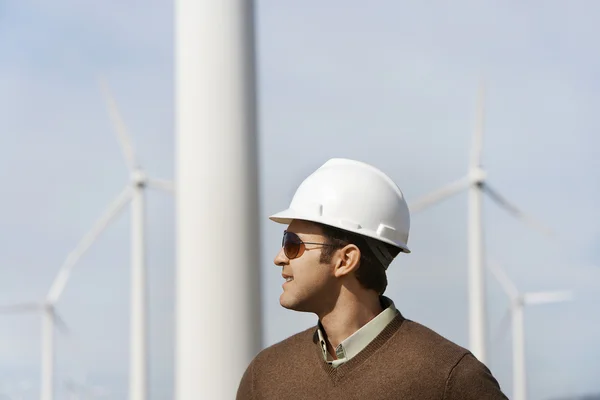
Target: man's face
[310,284]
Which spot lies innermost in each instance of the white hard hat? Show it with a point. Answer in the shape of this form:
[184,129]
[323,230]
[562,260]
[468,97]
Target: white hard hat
[353,196]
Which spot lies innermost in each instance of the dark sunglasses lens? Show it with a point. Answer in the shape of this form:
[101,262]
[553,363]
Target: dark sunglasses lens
[291,244]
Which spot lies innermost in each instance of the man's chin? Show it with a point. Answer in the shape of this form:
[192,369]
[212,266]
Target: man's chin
[291,304]
[286,303]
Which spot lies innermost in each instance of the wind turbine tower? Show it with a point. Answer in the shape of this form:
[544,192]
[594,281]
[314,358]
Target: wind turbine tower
[218,232]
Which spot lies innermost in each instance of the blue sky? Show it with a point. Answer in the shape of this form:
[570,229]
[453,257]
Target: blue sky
[392,84]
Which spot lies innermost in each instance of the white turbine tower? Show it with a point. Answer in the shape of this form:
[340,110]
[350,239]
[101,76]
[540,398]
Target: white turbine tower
[476,183]
[134,192]
[217,198]
[517,303]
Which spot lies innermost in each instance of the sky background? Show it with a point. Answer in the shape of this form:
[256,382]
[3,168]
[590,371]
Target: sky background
[393,84]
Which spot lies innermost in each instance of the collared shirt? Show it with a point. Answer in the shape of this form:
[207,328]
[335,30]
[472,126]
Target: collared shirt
[356,342]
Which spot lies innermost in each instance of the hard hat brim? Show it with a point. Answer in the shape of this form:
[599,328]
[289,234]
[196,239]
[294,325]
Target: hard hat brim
[284,217]
[287,216]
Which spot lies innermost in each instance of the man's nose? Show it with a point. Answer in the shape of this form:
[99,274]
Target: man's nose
[281,259]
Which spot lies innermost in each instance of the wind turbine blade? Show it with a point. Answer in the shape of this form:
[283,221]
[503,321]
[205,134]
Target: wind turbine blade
[507,285]
[65,270]
[20,308]
[120,127]
[61,325]
[477,144]
[503,327]
[547,297]
[439,195]
[517,213]
[161,184]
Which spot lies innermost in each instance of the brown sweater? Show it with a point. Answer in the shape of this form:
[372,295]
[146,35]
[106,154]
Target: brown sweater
[406,361]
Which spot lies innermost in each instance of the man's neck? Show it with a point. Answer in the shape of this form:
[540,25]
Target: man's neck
[348,316]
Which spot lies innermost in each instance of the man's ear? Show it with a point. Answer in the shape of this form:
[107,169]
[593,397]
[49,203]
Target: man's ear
[347,260]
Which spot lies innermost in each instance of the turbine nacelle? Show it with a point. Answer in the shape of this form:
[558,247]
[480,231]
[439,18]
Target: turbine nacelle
[139,178]
[477,176]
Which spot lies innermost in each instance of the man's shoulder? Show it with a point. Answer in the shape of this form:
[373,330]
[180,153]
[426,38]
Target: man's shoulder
[282,359]
[424,341]
[294,344]
[300,338]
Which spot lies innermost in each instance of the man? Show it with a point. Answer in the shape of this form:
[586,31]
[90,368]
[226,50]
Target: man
[346,223]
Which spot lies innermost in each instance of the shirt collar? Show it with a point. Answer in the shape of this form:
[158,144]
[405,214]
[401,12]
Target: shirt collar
[356,342]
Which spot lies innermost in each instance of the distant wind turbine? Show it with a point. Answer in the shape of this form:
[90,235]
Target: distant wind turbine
[476,183]
[134,193]
[515,311]
[50,319]
[138,369]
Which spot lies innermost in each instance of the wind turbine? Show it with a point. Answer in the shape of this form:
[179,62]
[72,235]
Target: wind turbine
[50,319]
[47,307]
[517,303]
[134,192]
[138,377]
[476,183]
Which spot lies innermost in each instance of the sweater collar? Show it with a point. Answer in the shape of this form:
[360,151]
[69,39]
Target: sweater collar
[356,342]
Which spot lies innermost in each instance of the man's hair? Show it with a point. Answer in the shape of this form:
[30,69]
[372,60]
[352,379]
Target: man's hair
[370,273]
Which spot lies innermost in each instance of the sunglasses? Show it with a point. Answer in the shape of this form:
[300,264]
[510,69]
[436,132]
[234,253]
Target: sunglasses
[293,246]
